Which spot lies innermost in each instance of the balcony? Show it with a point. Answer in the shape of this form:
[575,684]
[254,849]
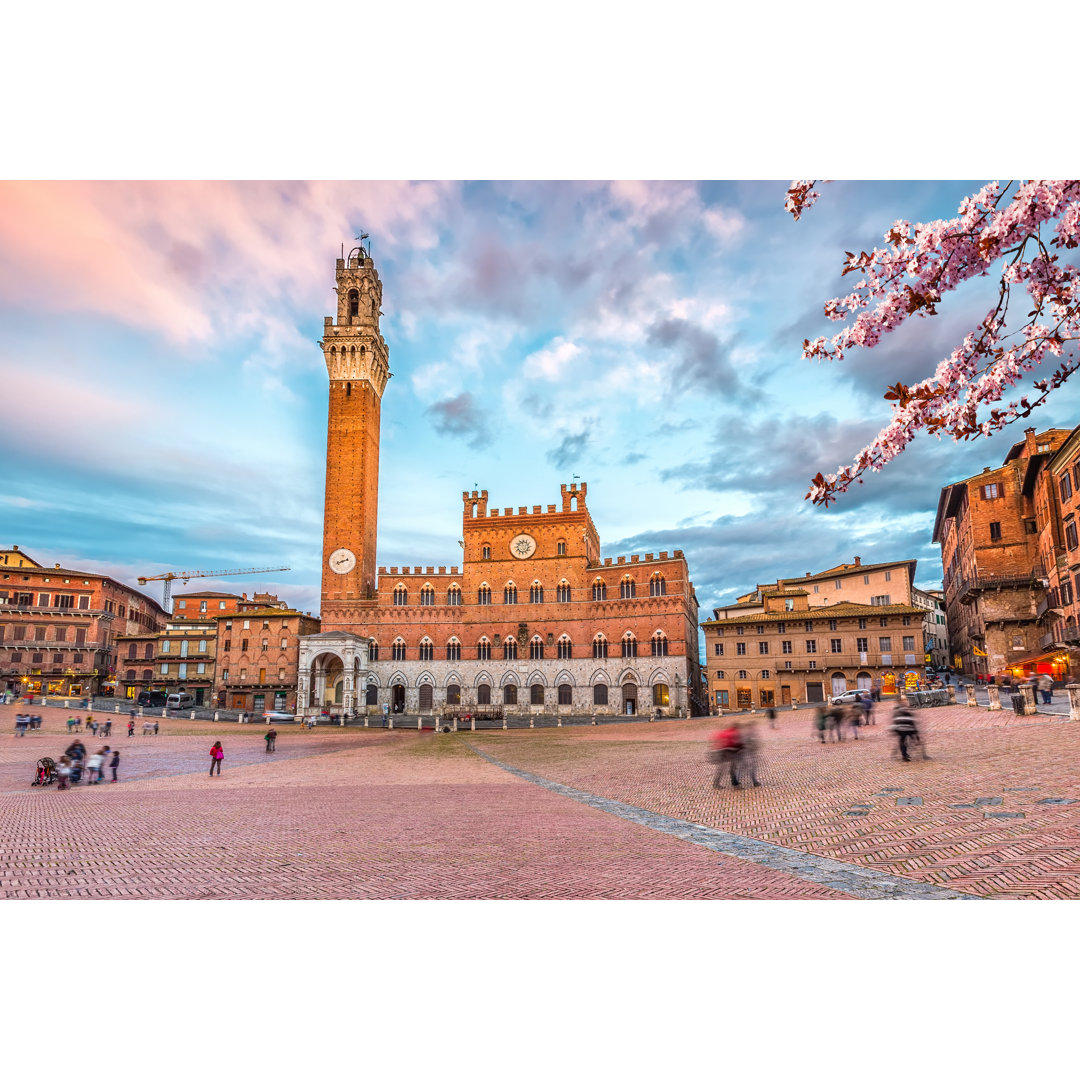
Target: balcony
[966,588]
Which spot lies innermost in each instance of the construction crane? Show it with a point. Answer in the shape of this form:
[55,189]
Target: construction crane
[186,575]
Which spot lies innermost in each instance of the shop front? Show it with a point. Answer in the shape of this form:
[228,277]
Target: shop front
[1057,663]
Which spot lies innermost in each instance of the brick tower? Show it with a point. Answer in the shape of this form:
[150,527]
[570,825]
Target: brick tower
[357,361]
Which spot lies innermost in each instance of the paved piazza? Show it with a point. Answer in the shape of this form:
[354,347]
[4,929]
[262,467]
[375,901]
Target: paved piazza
[619,811]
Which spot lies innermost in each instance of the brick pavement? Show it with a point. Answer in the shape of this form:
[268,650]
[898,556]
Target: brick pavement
[353,813]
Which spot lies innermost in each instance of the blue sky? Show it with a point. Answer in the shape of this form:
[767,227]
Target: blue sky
[166,399]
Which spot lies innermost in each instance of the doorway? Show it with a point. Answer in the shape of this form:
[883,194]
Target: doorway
[629,697]
[397,697]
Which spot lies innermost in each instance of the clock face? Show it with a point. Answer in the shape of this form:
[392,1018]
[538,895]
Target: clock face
[522,546]
[342,561]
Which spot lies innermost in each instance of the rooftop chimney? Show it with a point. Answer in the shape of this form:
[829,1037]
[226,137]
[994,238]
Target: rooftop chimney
[858,560]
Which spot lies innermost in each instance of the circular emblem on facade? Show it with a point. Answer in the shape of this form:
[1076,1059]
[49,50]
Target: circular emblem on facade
[522,546]
[342,561]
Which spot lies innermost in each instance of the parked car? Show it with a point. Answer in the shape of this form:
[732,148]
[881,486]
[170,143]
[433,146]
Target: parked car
[180,701]
[152,697]
[277,717]
[848,697]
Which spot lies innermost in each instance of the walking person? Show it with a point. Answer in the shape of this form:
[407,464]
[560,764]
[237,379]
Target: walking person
[1046,686]
[770,715]
[131,729]
[106,729]
[819,724]
[216,756]
[903,727]
[866,702]
[63,771]
[271,739]
[854,718]
[114,765]
[93,768]
[726,746]
[748,755]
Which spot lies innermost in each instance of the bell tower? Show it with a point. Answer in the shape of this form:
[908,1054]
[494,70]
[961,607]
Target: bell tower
[358,364]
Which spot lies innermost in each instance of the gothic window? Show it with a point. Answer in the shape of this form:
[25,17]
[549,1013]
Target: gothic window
[453,596]
[566,694]
[562,592]
[354,303]
[536,648]
[657,585]
[661,695]
[453,694]
[373,651]
[483,649]
[599,590]
[510,650]
[510,694]
[536,593]
[427,596]
[629,644]
[564,648]
[561,549]
[485,552]
[397,650]
[599,647]
[626,588]
[659,644]
[599,694]
[483,694]
[536,694]
[510,593]
[453,649]
[483,594]
[401,596]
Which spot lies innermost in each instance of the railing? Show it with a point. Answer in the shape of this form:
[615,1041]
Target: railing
[992,580]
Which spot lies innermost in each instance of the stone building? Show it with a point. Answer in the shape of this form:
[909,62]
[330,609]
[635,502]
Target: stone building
[935,626]
[994,557]
[59,627]
[783,650]
[533,620]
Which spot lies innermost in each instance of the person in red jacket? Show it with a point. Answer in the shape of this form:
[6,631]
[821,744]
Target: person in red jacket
[216,754]
[727,744]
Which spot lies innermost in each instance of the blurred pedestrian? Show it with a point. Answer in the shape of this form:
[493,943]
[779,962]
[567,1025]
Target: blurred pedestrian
[71,721]
[131,728]
[157,726]
[1046,685]
[866,702]
[216,756]
[106,729]
[833,719]
[770,715]
[271,739]
[93,768]
[820,723]
[114,764]
[726,745]
[747,758]
[854,718]
[904,728]
[63,771]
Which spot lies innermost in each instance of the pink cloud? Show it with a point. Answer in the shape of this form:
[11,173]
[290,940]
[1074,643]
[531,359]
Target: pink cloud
[193,260]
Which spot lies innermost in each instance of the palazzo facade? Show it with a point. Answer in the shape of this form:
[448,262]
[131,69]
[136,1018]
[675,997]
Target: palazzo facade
[534,620]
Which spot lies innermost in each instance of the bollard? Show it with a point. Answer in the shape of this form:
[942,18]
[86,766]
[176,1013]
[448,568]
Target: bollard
[531,718]
[419,723]
[67,704]
[558,719]
[472,723]
[141,713]
[951,691]
[216,714]
[970,694]
[391,721]
[1029,699]
[116,709]
[1074,701]
[192,716]
[995,698]
[455,722]
[365,719]
[504,721]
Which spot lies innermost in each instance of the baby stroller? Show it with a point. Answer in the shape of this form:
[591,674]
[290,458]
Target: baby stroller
[45,773]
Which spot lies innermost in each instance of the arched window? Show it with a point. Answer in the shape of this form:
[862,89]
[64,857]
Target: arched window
[148,675]
[510,651]
[453,649]
[129,675]
[765,673]
[599,647]
[426,695]
[536,694]
[427,649]
[348,389]
[560,548]
[536,593]
[149,653]
[599,590]
[485,552]
[510,593]
[371,696]
[629,644]
[401,596]
[566,694]
[510,694]
[659,643]
[373,651]
[397,650]
[626,588]
[483,594]
[536,648]
[657,585]
[599,694]
[453,694]
[741,675]
[483,649]
[483,694]
[660,696]
[564,648]
[562,592]
[131,651]
[427,596]
[354,303]
[453,596]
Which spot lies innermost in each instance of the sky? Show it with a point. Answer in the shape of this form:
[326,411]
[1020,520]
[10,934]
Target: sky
[166,398]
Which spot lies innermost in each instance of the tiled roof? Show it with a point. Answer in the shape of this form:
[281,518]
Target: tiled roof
[847,568]
[833,611]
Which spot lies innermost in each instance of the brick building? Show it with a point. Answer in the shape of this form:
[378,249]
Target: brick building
[994,556]
[227,651]
[58,627]
[935,626]
[533,620]
[774,647]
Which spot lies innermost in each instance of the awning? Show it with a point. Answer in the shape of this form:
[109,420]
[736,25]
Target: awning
[1069,652]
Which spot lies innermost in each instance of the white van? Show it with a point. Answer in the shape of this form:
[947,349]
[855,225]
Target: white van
[180,701]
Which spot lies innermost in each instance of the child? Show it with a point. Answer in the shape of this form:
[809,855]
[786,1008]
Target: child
[114,764]
[63,771]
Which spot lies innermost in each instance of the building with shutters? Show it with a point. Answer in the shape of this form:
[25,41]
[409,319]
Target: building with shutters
[59,626]
[533,620]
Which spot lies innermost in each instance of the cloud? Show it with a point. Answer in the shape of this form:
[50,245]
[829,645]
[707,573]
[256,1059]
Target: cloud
[461,416]
[570,450]
[550,361]
[703,362]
